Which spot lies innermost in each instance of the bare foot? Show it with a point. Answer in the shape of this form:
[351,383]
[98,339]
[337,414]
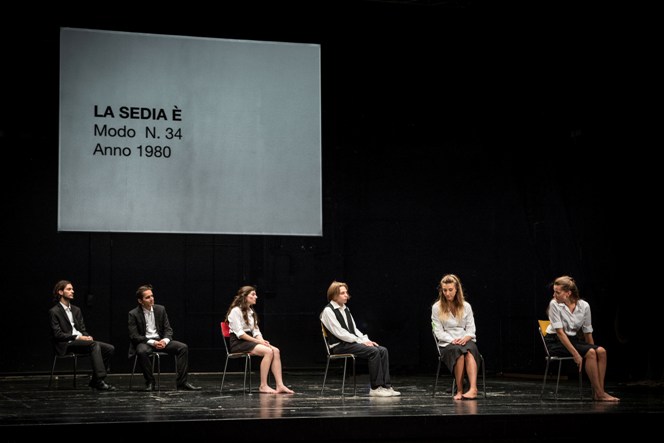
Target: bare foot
[284,390]
[458,396]
[266,390]
[471,394]
[606,397]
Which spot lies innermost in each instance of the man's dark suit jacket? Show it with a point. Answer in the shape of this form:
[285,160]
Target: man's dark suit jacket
[137,326]
[61,328]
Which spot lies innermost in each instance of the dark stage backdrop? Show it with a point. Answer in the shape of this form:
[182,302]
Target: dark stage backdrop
[456,139]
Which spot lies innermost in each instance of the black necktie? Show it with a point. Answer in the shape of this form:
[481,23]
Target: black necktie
[349,321]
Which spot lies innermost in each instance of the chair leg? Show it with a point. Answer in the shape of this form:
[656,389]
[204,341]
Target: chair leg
[581,385]
[546,374]
[247,374]
[156,356]
[75,367]
[343,380]
[74,357]
[560,364]
[50,380]
[133,369]
[354,380]
[223,377]
[325,376]
[247,361]
[175,362]
[435,385]
[268,375]
[483,376]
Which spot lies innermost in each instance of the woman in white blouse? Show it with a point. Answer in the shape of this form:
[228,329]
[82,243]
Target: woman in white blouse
[454,326]
[247,337]
[570,316]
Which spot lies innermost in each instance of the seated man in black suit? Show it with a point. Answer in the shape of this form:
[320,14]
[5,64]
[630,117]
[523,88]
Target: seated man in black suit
[150,330]
[69,334]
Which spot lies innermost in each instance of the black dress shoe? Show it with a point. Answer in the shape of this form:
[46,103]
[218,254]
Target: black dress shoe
[103,386]
[93,383]
[189,387]
[149,387]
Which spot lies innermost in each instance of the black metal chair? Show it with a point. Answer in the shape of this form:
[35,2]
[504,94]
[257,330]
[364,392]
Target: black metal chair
[155,357]
[542,325]
[226,335]
[331,356]
[71,355]
[440,361]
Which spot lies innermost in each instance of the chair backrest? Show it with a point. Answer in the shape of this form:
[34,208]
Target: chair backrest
[542,325]
[435,339]
[225,329]
[225,334]
[325,334]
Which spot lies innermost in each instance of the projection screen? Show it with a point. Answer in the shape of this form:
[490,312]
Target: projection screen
[175,134]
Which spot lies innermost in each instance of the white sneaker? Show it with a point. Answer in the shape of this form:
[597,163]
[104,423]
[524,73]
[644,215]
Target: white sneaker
[392,392]
[380,392]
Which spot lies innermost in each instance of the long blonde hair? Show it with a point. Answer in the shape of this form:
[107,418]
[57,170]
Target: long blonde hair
[454,307]
[567,283]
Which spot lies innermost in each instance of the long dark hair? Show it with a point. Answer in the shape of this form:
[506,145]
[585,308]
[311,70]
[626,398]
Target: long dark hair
[59,286]
[240,301]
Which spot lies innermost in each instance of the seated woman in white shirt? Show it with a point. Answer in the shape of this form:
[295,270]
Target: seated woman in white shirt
[569,316]
[247,337]
[454,326]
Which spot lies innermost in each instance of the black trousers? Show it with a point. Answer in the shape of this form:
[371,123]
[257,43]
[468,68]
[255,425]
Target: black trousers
[378,360]
[180,349]
[100,356]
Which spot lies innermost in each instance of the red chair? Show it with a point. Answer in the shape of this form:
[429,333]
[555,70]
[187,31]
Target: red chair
[226,335]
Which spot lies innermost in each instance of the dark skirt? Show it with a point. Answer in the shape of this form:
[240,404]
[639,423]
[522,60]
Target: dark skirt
[239,345]
[557,349]
[452,352]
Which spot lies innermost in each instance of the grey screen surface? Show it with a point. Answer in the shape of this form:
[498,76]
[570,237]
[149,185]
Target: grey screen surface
[172,134]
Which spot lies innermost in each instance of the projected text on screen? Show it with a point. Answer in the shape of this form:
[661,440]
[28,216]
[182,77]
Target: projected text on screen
[172,134]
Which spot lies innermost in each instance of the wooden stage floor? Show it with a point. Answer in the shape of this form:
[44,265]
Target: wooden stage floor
[512,411]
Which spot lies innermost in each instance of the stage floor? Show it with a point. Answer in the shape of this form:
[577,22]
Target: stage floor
[512,410]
